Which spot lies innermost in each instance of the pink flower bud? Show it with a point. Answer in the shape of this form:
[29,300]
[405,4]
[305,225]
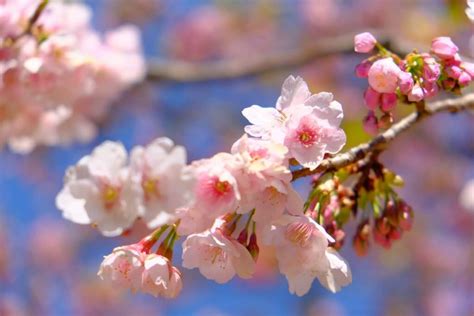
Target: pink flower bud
[430,89]
[370,124]
[405,82]
[389,101]
[383,75]
[362,69]
[372,98]
[469,68]
[444,47]
[431,69]
[416,94]
[453,71]
[464,79]
[364,42]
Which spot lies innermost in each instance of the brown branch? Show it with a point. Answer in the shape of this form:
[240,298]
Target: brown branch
[380,142]
[191,72]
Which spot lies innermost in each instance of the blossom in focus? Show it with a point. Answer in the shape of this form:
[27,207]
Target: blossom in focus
[166,186]
[308,125]
[217,256]
[303,255]
[100,191]
[59,81]
[364,42]
[160,278]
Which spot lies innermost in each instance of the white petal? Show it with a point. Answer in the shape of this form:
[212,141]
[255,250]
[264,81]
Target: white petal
[294,91]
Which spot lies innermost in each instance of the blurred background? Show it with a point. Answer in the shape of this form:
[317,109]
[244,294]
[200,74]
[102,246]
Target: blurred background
[48,266]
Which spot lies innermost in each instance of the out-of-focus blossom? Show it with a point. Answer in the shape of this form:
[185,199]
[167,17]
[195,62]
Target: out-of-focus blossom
[364,42]
[470,9]
[59,80]
[99,190]
[466,198]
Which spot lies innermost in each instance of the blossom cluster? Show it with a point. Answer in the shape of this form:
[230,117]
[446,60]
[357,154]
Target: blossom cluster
[226,206]
[58,77]
[414,78]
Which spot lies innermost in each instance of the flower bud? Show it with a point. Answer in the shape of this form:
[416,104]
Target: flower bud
[372,98]
[453,71]
[370,124]
[362,69]
[364,42]
[389,101]
[360,245]
[444,47]
[464,79]
[416,94]
[405,82]
[395,234]
[382,225]
[382,240]
[383,75]
[385,121]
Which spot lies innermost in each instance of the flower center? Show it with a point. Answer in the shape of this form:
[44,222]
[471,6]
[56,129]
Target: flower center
[110,195]
[150,188]
[222,187]
[307,136]
[299,233]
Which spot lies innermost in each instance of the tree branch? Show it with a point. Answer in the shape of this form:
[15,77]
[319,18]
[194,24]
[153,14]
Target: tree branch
[191,72]
[381,141]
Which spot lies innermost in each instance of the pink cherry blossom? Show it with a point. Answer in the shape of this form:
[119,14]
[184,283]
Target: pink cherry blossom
[123,267]
[167,187]
[160,278]
[302,252]
[383,75]
[364,42]
[444,47]
[218,257]
[100,191]
[416,94]
[56,93]
[308,125]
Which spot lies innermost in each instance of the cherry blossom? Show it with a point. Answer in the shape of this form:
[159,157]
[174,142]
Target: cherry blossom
[100,191]
[160,170]
[160,278]
[303,255]
[218,257]
[308,125]
[123,267]
[60,79]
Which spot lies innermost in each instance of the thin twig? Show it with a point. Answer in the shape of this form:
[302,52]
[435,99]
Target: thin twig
[190,72]
[380,142]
